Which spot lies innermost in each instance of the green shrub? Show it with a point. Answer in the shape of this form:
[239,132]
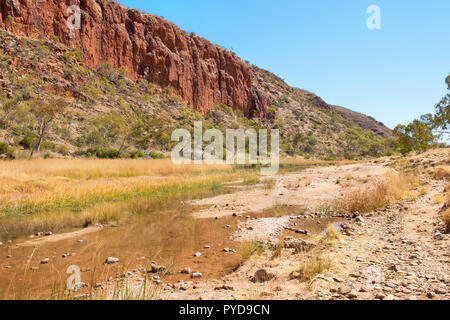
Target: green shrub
[3,148]
[156,155]
[79,153]
[48,155]
[103,153]
[28,141]
[47,145]
[137,154]
[62,150]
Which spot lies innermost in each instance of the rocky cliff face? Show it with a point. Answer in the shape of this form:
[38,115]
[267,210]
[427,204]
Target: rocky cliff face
[199,72]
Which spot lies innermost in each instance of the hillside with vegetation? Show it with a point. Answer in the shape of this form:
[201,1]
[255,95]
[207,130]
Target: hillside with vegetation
[54,105]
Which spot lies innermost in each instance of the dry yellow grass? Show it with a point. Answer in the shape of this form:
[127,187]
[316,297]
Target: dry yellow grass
[41,183]
[442,172]
[333,233]
[394,187]
[447,188]
[438,199]
[57,194]
[312,266]
[446,218]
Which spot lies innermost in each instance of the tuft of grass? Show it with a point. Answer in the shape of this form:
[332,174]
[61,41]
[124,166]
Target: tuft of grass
[333,233]
[438,199]
[362,200]
[249,248]
[447,187]
[446,218]
[394,187]
[441,173]
[276,252]
[312,266]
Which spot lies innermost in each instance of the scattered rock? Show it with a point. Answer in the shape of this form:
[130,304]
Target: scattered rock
[186,271]
[196,275]
[224,287]
[262,276]
[111,260]
[298,244]
[157,268]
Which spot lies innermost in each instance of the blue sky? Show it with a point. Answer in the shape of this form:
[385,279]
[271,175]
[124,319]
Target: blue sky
[394,74]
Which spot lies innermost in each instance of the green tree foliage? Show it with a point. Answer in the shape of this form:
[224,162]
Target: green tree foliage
[416,136]
[45,113]
[441,120]
[420,135]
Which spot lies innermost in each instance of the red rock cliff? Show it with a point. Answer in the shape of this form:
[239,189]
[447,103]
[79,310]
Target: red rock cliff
[200,73]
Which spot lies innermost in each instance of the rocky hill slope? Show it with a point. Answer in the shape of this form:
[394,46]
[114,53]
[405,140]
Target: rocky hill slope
[128,79]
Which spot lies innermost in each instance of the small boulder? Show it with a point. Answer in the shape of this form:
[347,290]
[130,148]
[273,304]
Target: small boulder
[262,276]
[157,268]
[196,275]
[111,260]
[197,254]
[360,219]
[45,261]
[186,271]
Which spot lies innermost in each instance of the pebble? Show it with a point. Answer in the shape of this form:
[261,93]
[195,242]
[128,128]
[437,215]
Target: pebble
[111,260]
[186,271]
[196,275]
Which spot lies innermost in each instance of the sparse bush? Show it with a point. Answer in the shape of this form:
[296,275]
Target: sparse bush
[396,186]
[28,141]
[156,155]
[360,201]
[104,153]
[54,38]
[3,147]
[137,154]
[311,267]
[6,150]
[250,248]
[442,173]
[62,150]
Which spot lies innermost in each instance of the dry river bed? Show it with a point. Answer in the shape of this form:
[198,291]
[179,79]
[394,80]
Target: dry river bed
[397,253]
